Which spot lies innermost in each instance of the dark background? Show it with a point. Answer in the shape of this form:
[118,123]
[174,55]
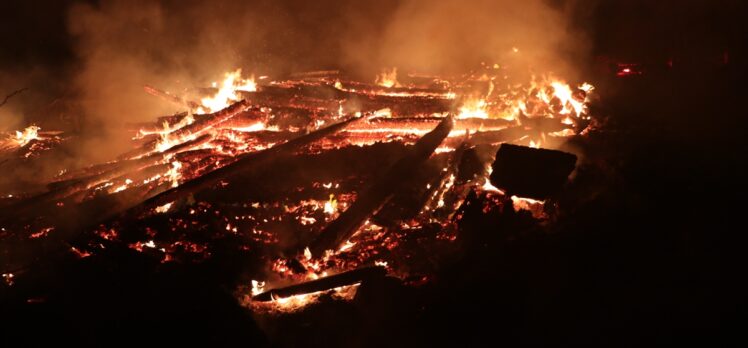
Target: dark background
[656,258]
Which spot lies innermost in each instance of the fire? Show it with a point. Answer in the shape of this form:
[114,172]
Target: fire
[388,78]
[563,92]
[397,115]
[257,287]
[173,174]
[164,208]
[24,137]
[259,126]
[8,278]
[21,138]
[347,246]
[226,94]
[294,303]
[307,254]
[473,108]
[331,206]
[532,205]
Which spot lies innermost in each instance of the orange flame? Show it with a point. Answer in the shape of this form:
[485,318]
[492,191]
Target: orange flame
[226,94]
[388,78]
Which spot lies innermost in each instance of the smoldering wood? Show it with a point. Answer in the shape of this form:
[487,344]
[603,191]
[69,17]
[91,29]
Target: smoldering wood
[531,173]
[428,123]
[376,196]
[247,161]
[409,200]
[197,127]
[440,186]
[422,195]
[322,284]
[122,167]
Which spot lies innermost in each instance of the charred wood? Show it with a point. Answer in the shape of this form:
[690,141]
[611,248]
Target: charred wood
[376,196]
[322,284]
[197,127]
[531,173]
[244,162]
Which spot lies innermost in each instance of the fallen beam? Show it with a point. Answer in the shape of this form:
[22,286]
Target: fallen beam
[531,173]
[376,196]
[322,284]
[246,161]
[203,123]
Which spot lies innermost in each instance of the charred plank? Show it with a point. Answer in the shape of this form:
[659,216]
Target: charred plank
[531,173]
[377,195]
[322,284]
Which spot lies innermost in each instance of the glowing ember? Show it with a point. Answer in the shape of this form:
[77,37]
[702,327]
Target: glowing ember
[331,206]
[164,208]
[173,174]
[297,302]
[257,287]
[533,206]
[259,126]
[8,278]
[184,147]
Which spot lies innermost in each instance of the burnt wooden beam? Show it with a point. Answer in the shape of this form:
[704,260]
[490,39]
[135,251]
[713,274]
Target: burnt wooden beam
[531,173]
[123,167]
[322,284]
[245,162]
[202,123]
[371,200]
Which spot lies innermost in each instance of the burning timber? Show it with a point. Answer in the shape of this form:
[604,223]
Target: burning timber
[371,172]
[322,284]
[377,195]
[244,162]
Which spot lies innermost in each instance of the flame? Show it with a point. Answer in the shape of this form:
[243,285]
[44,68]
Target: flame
[532,205]
[226,94]
[473,108]
[173,174]
[257,287]
[164,208]
[8,278]
[388,78]
[122,187]
[307,254]
[563,92]
[381,263]
[259,126]
[586,87]
[297,302]
[331,206]
[347,246]
[27,135]
[545,98]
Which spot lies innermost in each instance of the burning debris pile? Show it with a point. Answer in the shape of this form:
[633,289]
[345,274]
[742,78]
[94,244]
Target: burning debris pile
[329,182]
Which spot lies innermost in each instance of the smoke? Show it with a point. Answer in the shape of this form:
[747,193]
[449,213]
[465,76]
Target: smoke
[453,36]
[115,47]
[174,45]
